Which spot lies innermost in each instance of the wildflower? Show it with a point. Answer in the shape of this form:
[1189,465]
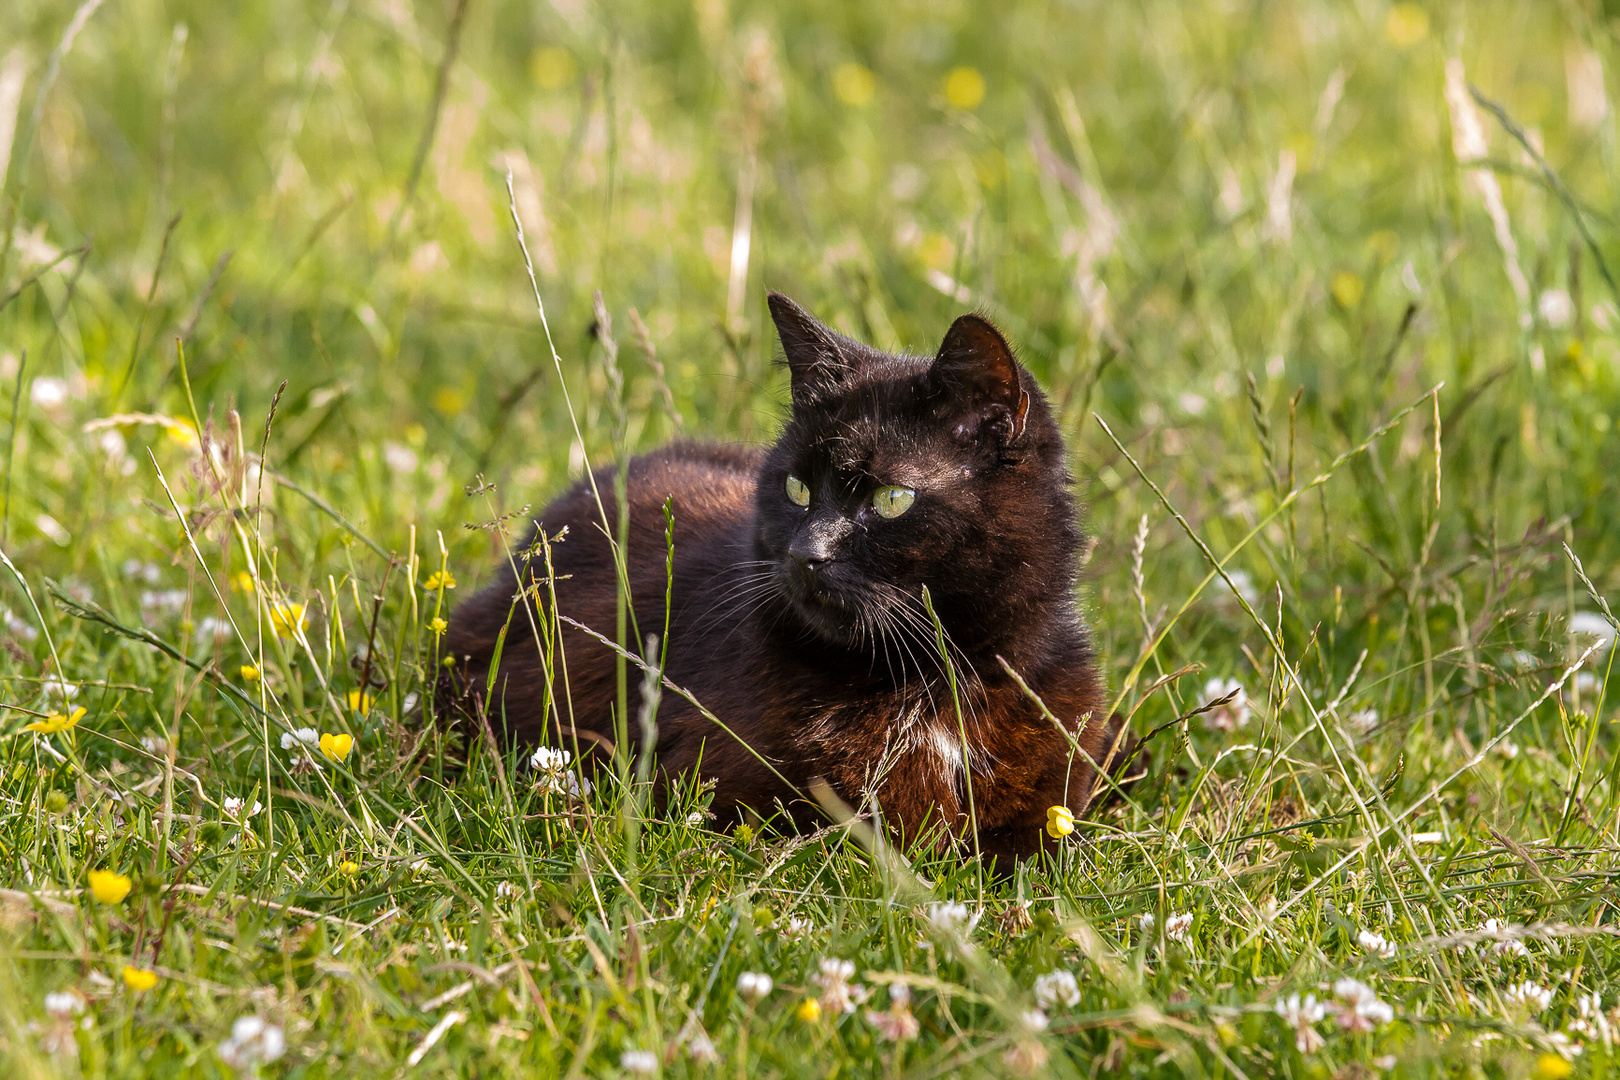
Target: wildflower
[57,687]
[57,722]
[1507,943]
[796,927]
[964,87]
[754,985]
[233,807]
[1362,721]
[1059,822]
[1531,995]
[1555,307]
[1232,715]
[506,891]
[62,1004]
[952,918]
[1057,988]
[1302,1014]
[336,747]
[1033,1020]
[348,868]
[305,736]
[251,673]
[1551,1067]
[1376,944]
[546,760]
[360,701]
[700,1048]
[242,581]
[1027,1056]
[438,625]
[156,745]
[182,433]
[1360,1009]
[696,819]
[110,887]
[288,619]
[1509,750]
[139,979]
[809,1010]
[897,1023]
[638,1061]
[837,993]
[853,84]
[253,1042]
[1592,1022]
[439,580]
[1177,925]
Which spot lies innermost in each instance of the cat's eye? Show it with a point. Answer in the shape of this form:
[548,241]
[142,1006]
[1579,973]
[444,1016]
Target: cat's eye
[798,494]
[892,501]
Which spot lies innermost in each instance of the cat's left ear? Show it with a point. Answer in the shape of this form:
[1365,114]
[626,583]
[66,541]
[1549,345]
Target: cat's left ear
[976,371]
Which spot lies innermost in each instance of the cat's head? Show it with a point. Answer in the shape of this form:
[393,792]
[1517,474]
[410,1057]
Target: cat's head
[895,472]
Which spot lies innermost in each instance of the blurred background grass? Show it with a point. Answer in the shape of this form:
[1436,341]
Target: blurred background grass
[1158,202]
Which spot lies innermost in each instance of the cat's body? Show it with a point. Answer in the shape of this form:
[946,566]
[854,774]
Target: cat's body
[801,625]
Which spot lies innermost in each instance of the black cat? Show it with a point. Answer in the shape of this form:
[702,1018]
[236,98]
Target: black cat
[798,616]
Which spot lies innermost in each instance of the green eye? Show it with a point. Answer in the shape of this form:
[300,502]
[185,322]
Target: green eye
[797,493]
[892,501]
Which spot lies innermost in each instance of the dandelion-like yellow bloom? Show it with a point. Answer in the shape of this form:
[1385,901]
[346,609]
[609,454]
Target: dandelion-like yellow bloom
[251,673]
[854,84]
[1059,822]
[242,582]
[1552,1067]
[439,579]
[56,722]
[336,747]
[348,868]
[809,1010]
[288,619]
[139,979]
[964,87]
[109,886]
[360,701]
[182,433]
[1348,288]
[438,625]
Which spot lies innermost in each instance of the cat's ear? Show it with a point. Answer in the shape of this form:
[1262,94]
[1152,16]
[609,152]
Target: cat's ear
[817,362]
[977,376]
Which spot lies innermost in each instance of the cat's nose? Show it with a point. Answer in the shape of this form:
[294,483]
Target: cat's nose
[809,553]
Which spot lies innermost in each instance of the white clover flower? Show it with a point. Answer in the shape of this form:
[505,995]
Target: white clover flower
[305,736]
[952,917]
[1505,945]
[506,891]
[548,759]
[156,745]
[754,985]
[700,1048]
[696,819]
[233,806]
[1360,1009]
[48,392]
[1177,925]
[638,1061]
[1302,1014]
[1146,922]
[1555,307]
[253,1042]
[797,927]
[1376,944]
[1362,721]
[838,994]
[1231,716]
[1509,750]
[1057,988]
[1033,1020]
[57,687]
[1531,995]
[62,1004]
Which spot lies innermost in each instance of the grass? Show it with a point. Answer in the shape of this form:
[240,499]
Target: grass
[1237,244]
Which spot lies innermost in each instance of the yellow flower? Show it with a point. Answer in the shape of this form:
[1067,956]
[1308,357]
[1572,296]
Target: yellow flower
[440,579]
[1347,288]
[348,868]
[360,702]
[288,619]
[809,1010]
[138,979]
[1552,1067]
[336,747]
[1406,25]
[251,673]
[964,87]
[242,582]
[1059,822]
[853,84]
[56,722]
[182,433]
[109,886]
[438,625]
[449,401]
[553,67]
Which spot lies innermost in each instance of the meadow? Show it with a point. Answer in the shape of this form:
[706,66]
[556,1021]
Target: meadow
[1325,297]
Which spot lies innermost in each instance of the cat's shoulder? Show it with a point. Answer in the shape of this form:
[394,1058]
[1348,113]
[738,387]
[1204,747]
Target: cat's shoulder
[688,456]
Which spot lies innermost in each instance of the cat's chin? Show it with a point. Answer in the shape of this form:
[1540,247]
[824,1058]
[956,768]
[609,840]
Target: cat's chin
[827,615]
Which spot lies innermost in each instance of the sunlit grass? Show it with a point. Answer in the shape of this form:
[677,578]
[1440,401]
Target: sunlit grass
[1308,309]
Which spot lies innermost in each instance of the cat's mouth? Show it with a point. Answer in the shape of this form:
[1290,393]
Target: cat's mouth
[830,606]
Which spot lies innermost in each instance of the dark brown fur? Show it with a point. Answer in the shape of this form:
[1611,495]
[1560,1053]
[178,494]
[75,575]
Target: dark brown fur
[803,628]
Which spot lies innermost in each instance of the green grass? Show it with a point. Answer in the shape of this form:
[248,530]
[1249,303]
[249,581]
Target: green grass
[1238,235]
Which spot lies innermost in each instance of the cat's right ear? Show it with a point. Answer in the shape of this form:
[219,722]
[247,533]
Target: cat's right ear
[814,358]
